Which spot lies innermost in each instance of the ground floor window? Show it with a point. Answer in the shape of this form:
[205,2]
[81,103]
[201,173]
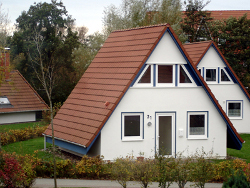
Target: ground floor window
[197,125]
[132,126]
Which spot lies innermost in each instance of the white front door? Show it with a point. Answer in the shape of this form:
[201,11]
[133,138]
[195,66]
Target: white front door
[165,133]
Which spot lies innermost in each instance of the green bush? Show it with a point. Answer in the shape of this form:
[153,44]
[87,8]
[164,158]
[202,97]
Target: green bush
[237,180]
[144,171]
[22,134]
[91,167]
[201,168]
[121,170]
[181,172]
[165,169]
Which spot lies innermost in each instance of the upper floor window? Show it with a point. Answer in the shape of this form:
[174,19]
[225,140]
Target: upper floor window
[211,75]
[164,76]
[223,76]
[234,109]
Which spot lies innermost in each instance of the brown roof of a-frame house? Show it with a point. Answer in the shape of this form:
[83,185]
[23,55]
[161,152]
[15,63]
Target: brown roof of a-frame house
[21,95]
[106,80]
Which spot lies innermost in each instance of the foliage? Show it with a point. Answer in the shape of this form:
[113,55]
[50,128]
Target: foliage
[232,37]
[238,180]
[144,171]
[46,114]
[4,30]
[21,134]
[44,35]
[138,13]
[28,164]
[84,55]
[182,167]
[224,169]
[165,168]
[17,126]
[195,21]
[91,167]
[202,168]
[11,172]
[64,168]
[121,170]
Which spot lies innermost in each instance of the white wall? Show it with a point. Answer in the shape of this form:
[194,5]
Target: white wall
[225,91]
[17,117]
[151,100]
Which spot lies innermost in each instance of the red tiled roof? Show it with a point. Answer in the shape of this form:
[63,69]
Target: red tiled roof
[197,50]
[225,14]
[21,95]
[107,79]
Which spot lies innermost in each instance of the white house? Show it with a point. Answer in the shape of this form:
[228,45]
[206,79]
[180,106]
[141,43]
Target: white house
[224,83]
[142,94]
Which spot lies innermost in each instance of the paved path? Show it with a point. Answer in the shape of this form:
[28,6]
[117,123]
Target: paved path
[40,183]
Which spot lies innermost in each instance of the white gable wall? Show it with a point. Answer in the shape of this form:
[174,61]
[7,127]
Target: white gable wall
[166,52]
[225,92]
[150,100]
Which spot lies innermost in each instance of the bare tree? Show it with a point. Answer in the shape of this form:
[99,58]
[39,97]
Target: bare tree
[44,72]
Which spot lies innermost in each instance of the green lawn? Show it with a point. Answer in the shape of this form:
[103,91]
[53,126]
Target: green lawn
[28,147]
[244,153]
[5,128]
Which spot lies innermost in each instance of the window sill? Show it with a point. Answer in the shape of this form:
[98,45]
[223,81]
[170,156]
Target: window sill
[132,140]
[197,138]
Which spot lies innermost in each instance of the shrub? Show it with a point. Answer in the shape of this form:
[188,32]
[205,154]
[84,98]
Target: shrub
[165,169]
[224,169]
[65,169]
[202,168]
[11,172]
[237,180]
[144,171]
[21,134]
[181,171]
[91,167]
[121,170]
[28,164]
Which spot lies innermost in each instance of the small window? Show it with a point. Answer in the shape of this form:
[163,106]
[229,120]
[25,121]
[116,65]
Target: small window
[5,103]
[224,77]
[197,125]
[211,75]
[146,77]
[132,126]
[4,100]
[183,76]
[234,109]
[165,74]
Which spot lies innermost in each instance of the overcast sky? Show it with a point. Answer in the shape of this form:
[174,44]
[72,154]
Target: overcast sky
[89,13]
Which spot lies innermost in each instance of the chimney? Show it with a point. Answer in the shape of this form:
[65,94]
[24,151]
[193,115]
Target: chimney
[5,63]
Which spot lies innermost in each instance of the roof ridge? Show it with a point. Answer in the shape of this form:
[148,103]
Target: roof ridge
[141,27]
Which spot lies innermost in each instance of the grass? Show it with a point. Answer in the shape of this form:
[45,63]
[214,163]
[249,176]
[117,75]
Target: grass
[244,153]
[5,128]
[29,147]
